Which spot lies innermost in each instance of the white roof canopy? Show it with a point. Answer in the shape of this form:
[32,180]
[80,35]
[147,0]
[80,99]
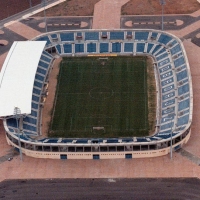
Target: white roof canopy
[17,76]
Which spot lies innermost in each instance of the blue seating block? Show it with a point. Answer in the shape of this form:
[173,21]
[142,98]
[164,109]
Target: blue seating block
[140,47]
[104,47]
[162,56]
[184,104]
[128,47]
[44,38]
[34,105]
[164,39]
[141,35]
[116,35]
[181,75]
[91,47]
[33,113]
[183,120]
[156,49]
[41,71]
[92,36]
[47,54]
[154,34]
[29,127]
[79,48]
[43,64]
[12,122]
[39,77]
[67,36]
[54,36]
[116,47]
[67,48]
[58,48]
[183,89]
[30,120]
[36,91]
[167,126]
[44,58]
[175,49]
[149,47]
[38,84]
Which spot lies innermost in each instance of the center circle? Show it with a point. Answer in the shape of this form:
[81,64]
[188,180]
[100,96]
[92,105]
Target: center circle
[101,93]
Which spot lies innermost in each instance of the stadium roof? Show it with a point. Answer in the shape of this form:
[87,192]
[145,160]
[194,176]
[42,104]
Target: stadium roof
[17,76]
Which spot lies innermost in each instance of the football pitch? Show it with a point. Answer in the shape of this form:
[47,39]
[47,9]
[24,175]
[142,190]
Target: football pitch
[101,97]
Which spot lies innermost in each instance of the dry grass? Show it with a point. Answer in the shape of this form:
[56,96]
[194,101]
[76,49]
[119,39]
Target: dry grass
[71,8]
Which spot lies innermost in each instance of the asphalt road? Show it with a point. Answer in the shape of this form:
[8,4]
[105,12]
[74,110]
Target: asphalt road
[165,189]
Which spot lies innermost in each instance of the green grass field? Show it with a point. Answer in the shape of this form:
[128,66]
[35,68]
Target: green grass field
[98,97]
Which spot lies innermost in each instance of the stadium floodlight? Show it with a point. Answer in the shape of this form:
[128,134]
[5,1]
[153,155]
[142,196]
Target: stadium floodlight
[45,18]
[30,3]
[170,116]
[17,113]
[162,3]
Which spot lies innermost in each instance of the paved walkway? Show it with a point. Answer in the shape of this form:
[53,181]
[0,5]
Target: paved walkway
[107,14]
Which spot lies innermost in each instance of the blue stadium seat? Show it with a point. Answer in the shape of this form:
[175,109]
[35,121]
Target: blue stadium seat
[175,49]
[67,48]
[34,105]
[181,75]
[36,91]
[154,34]
[30,120]
[45,38]
[116,47]
[104,47]
[149,47]
[162,56]
[43,64]
[183,120]
[161,51]
[156,49]
[91,47]
[39,77]
[79,48]
[183,89]
[116,35]
[140,47]
[54,36]
[168,103]
[141,35]
[44,58]
[41,71]
[67,36]
[12,122]
[166,68]
[58,48]
[92,36]
[178,62]
[166,126]
[47,54]
[35,98]
[128,47]
[164,39]
[38,84]
[29,127]
[33,113]
[184,104]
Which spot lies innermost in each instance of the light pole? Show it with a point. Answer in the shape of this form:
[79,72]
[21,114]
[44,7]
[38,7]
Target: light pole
[162,3]
[45,18]
[17,113]
[170,116]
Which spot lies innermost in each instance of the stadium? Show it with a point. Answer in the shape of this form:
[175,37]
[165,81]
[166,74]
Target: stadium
[173,87]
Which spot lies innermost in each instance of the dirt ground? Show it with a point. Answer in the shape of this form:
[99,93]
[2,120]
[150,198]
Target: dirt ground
[48,105]
[133,7]
[71,8]
[153,7]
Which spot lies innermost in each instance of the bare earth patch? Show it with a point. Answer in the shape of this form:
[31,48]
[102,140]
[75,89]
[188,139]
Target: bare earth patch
[153,7]
[4,42]
[151,84]
[48,105]
[71,8]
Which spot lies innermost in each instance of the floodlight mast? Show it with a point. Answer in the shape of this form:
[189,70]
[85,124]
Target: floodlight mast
[45,18]
[17,113]
[162,3]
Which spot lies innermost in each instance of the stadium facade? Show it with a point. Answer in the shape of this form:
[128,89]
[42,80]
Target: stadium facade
[174,96]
